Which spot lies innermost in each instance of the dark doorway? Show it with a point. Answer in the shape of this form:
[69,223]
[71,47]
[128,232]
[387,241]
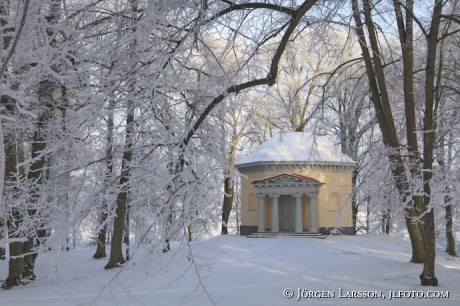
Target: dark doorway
[287,213]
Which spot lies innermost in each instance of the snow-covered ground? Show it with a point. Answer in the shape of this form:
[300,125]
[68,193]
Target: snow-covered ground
[235,270]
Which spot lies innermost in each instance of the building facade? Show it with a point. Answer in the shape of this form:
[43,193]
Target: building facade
[297,183]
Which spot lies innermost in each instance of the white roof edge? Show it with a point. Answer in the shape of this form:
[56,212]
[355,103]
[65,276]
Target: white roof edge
[300,162]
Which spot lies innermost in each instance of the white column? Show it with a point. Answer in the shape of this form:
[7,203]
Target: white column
[313,228]
[261,214]
[298,213]
[275,219]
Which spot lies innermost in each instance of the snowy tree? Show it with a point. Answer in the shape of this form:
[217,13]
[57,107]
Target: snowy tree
[417,207]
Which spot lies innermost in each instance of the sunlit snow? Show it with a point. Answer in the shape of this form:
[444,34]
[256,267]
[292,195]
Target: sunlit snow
[235,270]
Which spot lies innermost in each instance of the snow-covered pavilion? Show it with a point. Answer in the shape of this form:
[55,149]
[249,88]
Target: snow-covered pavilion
[296,182]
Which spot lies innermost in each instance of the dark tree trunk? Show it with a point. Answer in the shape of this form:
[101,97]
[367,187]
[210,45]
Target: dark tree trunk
[168,232]
[102,234]
[101,237]
[428,277]
[16,265]
[168,226]
[35,175]
[354,203]
[2,235]
[386,222]
[189,231]
[29,261]
[449,233]
[126,232]
[450,241]
[381,102]
[2,232]
[228,204]
[116,253]
[405,29]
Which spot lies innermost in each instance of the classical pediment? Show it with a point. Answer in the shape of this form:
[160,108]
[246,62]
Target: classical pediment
[287,183]
[288,178]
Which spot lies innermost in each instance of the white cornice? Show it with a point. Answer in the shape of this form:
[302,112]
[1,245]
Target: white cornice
[296,166]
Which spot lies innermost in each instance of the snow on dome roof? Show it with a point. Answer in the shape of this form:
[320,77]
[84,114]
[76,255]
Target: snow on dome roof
[296,146]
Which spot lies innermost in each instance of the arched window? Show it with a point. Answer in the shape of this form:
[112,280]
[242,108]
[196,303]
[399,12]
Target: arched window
[252,202]
[334,202]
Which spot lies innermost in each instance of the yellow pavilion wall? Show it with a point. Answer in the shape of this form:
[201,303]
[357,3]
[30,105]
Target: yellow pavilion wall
[327,213]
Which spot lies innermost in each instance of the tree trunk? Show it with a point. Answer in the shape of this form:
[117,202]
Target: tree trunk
[102,234]
[449,233]
[380,100]
[16,265]
[450,240]
[29,261]
[386,222]
[428,277]
[228,204]
[368,212]
[354,203]
[116,254]
[3,234]
[405,30]
[35,175]
[4,11]
[168,228]
[189,231]
[126,232]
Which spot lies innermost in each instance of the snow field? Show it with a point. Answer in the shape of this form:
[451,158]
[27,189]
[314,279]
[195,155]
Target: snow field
[235,270]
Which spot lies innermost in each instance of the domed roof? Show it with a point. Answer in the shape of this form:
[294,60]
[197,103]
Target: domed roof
[296,146]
